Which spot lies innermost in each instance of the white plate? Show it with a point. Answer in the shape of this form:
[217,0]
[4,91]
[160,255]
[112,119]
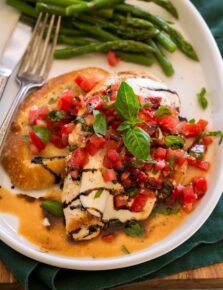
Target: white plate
[190,76]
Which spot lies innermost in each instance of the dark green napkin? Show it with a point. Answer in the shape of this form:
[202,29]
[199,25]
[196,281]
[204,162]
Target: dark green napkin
[203,248]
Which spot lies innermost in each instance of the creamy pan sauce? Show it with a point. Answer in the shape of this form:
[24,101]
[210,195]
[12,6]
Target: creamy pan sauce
[54,239]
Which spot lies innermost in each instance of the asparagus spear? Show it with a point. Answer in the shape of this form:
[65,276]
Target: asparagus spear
[23,7]
[166,4]
[135,58]
[73,40]
[93,5]
[162,59]
[49,8]
[123,45]
[163,39]
[132,21]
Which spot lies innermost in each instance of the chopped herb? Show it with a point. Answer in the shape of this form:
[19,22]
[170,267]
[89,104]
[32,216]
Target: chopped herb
[145,105]
[115,222]
[133,229]
[98,193]
[165,210]
[125,250]
[138,162]
[163,111]
[54,207]
[131,191]
[192,121]
[56,116]
[43,133]
[212,134]
[174,142]
[128,124]
[25,137]
[71,148]
[100,124]
[202,100]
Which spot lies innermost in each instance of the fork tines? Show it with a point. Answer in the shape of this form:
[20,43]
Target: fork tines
[39,54]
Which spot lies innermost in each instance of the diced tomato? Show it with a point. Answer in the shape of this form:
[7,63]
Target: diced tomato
[98,142]
[109,175]
[112,58]
[169,123]
[36,114]
[41,123]
[190,130]
[140,176]
[139,202]
[149,193]
[66,102]
[74,174]
[68,128]
[91,149]
[160,153]
[34,149]
[202,124]
[207,140]
[174,153]
[112,144]
[160,165]
[35,140]
[200,185]
[113,155]
[180,161]
[203,165]
[154,183]
[177,192]
[58,141]
[191,160]
[125,178]
[89,120]
[94,102]
[108,238]
[189,196]
[112,160]
[87,84]
[79,158]
[121,201]
[155,101]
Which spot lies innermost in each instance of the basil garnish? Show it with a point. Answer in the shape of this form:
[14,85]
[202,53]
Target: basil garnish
[128,124]
[131,191]
[163,111]
[166,210]
[137,142]
[202,100]
[56,116]
[133,229]
[192,121]
[100,124]
[43,133]
[174,142]
[125,250]
[127,103]
[54,207]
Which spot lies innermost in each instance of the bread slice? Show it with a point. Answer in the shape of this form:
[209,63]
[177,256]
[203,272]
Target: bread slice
[17,157]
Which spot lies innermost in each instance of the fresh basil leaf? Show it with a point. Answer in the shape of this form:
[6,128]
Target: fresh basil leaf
[166,210]
[71,148]
[174,142]
[131,191]
[202,100]
[128,124]
[100,124]
[54,207]
[115,223]
[163,111]
[133,229]
[125,250]
[139,162]
[127,103]
[56,116]
[43,133]
[137,142]
[213,134]
[25,137]
[98,193]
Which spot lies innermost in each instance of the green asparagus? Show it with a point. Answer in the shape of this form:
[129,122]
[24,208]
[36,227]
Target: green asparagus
[135,58]
[123,45]
[166,4]
[132,21]
[23,7]
[164,40]
[49,8]
[73,40]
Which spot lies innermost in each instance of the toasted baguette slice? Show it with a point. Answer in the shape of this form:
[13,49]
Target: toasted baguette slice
[17,157]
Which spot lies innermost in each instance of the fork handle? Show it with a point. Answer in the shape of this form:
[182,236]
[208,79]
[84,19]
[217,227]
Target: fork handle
[3,82]
[25,87]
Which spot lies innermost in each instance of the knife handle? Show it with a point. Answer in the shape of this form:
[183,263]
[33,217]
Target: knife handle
[3,82]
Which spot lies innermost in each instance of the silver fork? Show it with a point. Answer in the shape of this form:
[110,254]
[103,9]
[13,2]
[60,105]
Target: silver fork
[35,65]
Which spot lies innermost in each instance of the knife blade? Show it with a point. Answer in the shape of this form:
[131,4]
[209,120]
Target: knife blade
[13,52]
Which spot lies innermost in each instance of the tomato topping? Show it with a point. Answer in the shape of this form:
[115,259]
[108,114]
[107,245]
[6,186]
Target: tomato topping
[91,148]
[109,175]
[169,123]
[160,164]
[113,58]
[94,102]
[35,140]
[34,149]
[68,128]
[87,84]
[58,141]
[207,140]
[121,201]
[190,130]
[160,153]
[178,192]
[180,161]
[155,101]
[108,238]
[200,185]
[74,174]
[112,160]
[36,114]
[202,124]
[98,142]
[174,153]
[79,158]
[139,202]
[125,179]
[203,165]
[140,176]
[189,196]
[66,102]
